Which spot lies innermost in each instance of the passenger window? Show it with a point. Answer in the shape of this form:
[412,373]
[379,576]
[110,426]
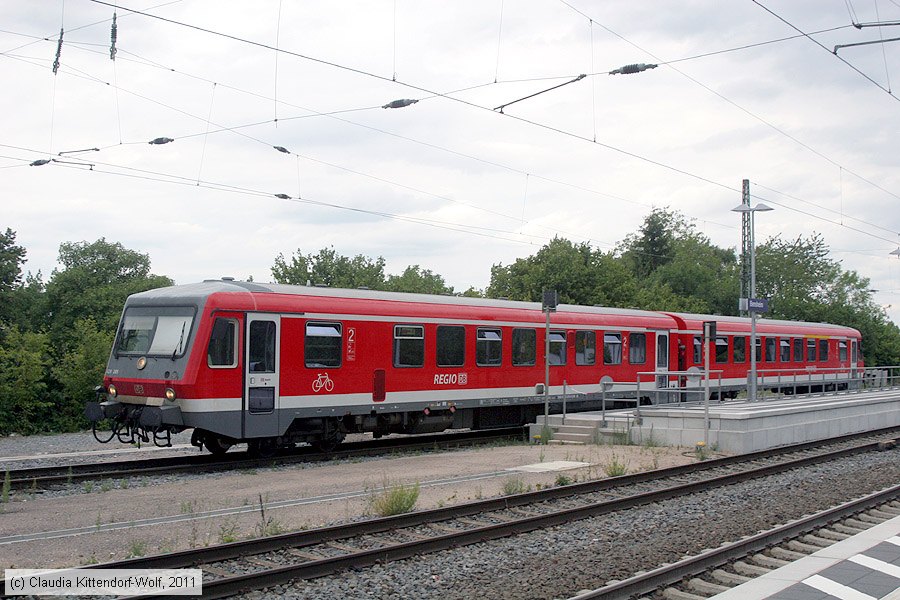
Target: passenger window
[740,349]
[721,349]
[612,349]
[222,342]
[524,351]
[451,346]
[842,351]
[798,349]
[488,351]
[759,349]
[585,347]
[785,345]
[262,347]
[409,346]
[698,350]
[637,348]
[823,350]
[322,346]
[770,349]
[557,354]
[811,350]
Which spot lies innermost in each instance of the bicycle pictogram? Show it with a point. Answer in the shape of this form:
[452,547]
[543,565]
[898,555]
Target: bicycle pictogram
[323,381]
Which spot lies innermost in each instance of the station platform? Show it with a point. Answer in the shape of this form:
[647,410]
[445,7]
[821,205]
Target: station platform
[736,426]
[863,567]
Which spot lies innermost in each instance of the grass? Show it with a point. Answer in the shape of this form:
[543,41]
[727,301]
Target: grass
[394,499]
[514,485]
[562,480]
[267,526]
[138,548]
[228,530]
[615,467]
[701,451]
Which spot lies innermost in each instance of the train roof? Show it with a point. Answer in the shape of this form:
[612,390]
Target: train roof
[199,292]
[696,321]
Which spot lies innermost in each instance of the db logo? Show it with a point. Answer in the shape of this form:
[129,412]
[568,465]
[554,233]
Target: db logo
[138,389]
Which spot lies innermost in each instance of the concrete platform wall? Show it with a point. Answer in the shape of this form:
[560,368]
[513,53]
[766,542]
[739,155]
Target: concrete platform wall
[738,427]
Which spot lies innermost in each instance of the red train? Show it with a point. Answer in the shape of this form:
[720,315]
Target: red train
[275,365]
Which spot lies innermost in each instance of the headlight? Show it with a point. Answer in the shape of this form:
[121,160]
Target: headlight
[112,390]
[170,394]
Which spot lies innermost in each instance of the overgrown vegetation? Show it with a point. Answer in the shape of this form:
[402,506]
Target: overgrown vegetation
[615,466]
[55,335]
[514,485]
[394,499]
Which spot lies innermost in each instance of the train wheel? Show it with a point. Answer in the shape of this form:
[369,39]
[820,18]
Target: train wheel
[262,448]
[330,439]
[216,445]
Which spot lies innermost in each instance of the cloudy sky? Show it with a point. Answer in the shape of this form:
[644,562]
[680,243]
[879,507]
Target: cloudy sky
[448,183]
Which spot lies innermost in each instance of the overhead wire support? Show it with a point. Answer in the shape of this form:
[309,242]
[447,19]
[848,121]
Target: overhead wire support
[877,24]
[579,78]
[839,46]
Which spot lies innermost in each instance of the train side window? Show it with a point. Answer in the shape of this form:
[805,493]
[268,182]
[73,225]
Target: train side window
[524,350]
[798,349]
[811,350]
[488,349]
[698,350]
[770,349]
[585,347]
[740,349]
[262,347]
[823,350]
[637,348]
[842,351]
[409,346]
[721,349]
[557,354]
[451,346]
[220,352]
[785,345]
[612,348]
[323,345]
[759,342]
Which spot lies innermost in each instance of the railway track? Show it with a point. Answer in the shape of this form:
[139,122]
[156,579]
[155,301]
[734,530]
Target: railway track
[47,477]
[260,563]
[719,569]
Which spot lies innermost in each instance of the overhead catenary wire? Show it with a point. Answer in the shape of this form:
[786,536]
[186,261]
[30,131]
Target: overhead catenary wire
[635,155]
[823,47]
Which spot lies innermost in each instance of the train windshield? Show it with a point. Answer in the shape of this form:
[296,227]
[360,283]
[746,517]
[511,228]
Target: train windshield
[155,331]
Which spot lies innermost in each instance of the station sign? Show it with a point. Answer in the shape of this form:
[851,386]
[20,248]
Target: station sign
[758,305]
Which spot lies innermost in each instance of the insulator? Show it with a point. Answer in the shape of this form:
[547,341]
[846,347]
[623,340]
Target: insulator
[112,39]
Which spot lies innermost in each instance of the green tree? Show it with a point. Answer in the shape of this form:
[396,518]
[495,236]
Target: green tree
[654,244]
[803,283]
[80,370]
[12,257]
[94,282]
[417,280]
[24,400]
[330,268]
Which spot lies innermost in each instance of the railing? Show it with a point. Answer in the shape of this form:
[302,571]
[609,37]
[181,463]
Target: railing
[821,381]
[682,391]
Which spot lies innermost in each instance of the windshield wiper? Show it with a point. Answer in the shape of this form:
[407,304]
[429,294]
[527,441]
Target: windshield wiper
[180,341]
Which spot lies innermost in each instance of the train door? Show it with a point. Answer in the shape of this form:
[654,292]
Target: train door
[261,376]
[662,359]
[854,355]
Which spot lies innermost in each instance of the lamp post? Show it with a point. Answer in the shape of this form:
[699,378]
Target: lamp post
[746,208]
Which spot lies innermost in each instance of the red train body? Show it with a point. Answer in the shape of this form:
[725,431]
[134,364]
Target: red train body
[275,365]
